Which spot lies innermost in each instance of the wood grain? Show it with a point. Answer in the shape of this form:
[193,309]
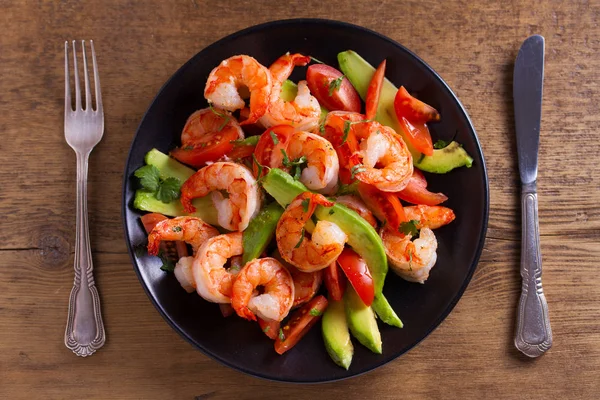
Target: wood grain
[471,44]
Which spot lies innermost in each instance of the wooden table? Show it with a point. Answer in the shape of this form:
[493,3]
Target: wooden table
[472,45]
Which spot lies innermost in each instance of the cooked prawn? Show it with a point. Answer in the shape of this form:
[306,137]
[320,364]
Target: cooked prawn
[306,284]
[308,254]
[206,121]
[431,217]
[356,204]
[241,200]
[191,230]
[322,165]
[410,259]
[304,111]
[225,80]
[214,283]
[277,297]
[383,160]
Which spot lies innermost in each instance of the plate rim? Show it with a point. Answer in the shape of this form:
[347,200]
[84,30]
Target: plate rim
[479,154]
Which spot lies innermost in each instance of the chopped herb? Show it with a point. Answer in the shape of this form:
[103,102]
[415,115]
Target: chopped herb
[295,165]
[440,144]
[177,229]
[347,125]
[322,127]
[409,228]
[421,158]
[169,190]
[335,84]
[315,312]
[249,141]
[189,147]
[226,117]
[274,137]
[167,264]
[305,204]
[258,165]
[149,177]
[331,212]
[266,329]
[315,60]
[301,239]
[140,250]
[281,335]
[357,169]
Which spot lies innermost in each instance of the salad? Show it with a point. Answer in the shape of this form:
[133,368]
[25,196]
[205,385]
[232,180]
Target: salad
[286,202]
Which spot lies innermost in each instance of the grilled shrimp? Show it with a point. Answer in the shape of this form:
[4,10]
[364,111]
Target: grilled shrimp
[205,121]
[410,259]
[356,204]
[304,111]
[383,160]
[241,200]
[214,283]
[431,217]
[322,164]
[276,298]
[314,253]
[191,230]
[226,79]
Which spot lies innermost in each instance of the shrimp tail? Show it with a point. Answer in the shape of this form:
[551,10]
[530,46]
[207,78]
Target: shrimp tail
[245,312]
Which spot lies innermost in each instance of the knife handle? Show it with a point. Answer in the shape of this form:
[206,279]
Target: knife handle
[533,336]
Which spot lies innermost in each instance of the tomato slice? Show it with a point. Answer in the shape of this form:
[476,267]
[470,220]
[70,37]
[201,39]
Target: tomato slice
[413,115]
[150,220]
[358,275]
[414,109]
[335,282]
[333,90]
[210,147]
[416,191]
[300,323]
[385,206]
[267,146]
[374,91]
[269,328]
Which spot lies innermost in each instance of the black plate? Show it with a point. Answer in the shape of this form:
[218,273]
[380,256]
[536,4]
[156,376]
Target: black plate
[240,344]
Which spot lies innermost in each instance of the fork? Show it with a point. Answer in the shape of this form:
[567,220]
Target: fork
[83,130]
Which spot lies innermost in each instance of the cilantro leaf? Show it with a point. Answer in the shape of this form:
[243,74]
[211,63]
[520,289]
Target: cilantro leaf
[149,177]
[440,144]
[281,335]
[274,137]
[315,312]
[305,204]
[168,264]
[301,239]
[409,227]
[335,84]
[168,190]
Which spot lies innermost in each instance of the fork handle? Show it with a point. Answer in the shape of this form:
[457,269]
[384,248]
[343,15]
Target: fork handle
[85,330]
[533,336]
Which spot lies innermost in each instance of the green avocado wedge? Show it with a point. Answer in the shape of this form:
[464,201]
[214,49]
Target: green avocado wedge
[336,336]
[361,321]
[385,312]
[361,235]
[260,231]
[359,72]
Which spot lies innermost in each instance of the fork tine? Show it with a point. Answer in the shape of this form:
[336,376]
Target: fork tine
[68,105]
[96,80]
[88,92]
[76,74]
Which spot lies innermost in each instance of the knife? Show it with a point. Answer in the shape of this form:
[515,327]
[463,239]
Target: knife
[533,335]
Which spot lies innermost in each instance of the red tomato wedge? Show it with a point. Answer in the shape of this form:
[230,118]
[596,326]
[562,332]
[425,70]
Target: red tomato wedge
[416,191]
[385,206]
[300,323]
[269,328]
[374,91]
[271,142]
[210,147]
[240,152]
[358,275]
[150,220]
[335,282]
[333,90]
[413,115]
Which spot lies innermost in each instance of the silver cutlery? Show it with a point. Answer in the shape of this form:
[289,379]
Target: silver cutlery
[533,334]
[84,127]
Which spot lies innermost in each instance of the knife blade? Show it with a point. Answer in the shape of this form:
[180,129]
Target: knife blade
[533,333]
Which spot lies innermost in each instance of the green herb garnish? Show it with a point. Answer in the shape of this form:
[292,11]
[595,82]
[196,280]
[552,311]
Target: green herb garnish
[301,239]
[305,204]
[164,190]
[440,144]
[274,137]
[335,84]
[409,227]
[314,312]
[357,169]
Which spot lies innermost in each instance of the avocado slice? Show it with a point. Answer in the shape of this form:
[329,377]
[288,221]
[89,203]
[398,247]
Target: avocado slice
[361,321]
[336,336]
[385,312]
[361,235]
[168,167]
[260,232]
[360,72]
